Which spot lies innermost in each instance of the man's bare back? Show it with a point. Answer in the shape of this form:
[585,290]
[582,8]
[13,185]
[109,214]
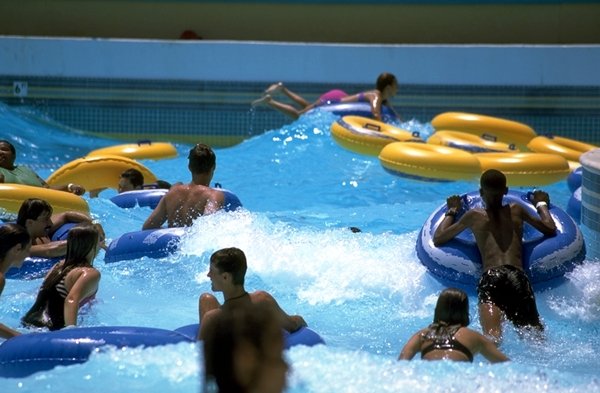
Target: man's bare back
[183,204]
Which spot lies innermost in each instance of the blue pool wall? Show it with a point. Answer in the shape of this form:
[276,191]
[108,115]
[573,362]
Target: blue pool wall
[191,90]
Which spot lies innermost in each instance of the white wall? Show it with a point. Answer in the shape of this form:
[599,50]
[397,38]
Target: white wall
[573,65]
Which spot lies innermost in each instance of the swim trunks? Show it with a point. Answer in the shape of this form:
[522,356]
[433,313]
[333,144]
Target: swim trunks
[332,96]
[508,288]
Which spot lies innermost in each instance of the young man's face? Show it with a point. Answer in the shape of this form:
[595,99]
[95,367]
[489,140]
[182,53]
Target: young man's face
[125,185]
[216,278]
[41,226]
[7,158]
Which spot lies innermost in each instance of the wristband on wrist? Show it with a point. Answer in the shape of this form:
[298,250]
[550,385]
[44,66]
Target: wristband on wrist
[451,213]
[70,187]
[540,203]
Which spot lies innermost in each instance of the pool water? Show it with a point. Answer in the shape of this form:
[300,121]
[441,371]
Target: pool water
[365,293]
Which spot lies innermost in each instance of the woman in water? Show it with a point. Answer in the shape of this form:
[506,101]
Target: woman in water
[448,337]
[14,247]
[69,284]
[386,87]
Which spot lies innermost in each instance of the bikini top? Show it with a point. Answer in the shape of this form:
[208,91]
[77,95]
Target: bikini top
[445,342]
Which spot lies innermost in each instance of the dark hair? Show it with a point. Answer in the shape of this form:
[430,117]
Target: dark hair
[231,260]
[31,209]
[10,146]
[452,307]
[255,325]
[134,176]
[10,236]
[384,80]
[493,179]
[80,241]
[201,159]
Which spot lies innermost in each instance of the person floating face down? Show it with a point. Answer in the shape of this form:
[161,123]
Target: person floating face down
[14,248]
[386,87]
[504,289]
[19,174]
[70,284]
[243,352]
[448,337]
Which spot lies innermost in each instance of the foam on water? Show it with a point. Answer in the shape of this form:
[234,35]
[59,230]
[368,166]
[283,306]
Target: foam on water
[366,293]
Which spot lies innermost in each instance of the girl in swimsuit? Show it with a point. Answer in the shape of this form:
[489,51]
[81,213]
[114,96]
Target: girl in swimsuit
[385,88]
[70,283]
[448,337]
[14,247]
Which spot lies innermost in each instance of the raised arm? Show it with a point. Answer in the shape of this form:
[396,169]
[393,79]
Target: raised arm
[448,228]
[545,223]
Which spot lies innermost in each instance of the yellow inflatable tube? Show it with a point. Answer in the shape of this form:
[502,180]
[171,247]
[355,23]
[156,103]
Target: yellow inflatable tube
[565,147]
[491,128]
[13,195]
[425,161]
[468,142]
[97,172]
[367,136]
[526,169]
[138,151]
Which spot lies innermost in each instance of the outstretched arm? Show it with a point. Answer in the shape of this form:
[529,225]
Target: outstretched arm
[157,217]
[489,350]
[411,348]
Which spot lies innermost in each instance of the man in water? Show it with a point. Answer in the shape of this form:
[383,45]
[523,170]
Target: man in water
[227,273]
[186,202]
[19,174]
[504,289]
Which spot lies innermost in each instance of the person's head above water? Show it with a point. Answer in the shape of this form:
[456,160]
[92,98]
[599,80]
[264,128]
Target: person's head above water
[8,154]
[202,159]
[452,307]
[230,260]
[34,214]
[131,179]
[493,179]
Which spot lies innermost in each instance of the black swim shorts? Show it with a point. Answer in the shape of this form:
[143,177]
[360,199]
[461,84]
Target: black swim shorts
[509,289]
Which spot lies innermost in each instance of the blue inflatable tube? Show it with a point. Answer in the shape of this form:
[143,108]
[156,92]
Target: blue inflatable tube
[151,197]
[303,336]
[152,243]
[357,109]
[545,259]
[36,267]
[27,354]
[575,179]
[143,198]
[574,205]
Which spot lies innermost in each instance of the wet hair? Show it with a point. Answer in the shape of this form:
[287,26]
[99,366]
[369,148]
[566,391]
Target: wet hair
[134,176]
[493,179]
[163,184]
[255,325]
[201,158]
[80,241]
[10,146]
[452,308]
[10,236]
[231,260]
[32,209]
[384,80]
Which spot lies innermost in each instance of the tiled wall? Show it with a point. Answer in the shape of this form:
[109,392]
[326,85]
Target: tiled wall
[590,202]
[219,113]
